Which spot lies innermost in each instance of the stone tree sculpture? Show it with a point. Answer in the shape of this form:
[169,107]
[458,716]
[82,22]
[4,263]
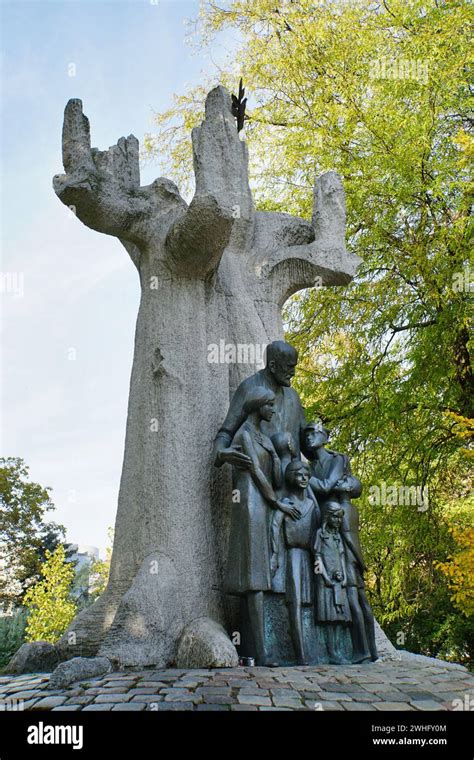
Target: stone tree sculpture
[212,270]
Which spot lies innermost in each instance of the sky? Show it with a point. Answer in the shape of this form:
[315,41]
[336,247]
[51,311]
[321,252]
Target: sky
[69,294]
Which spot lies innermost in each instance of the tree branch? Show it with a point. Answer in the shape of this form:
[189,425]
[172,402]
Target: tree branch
[103,187]
[221,211]
[412,325]
[284,269]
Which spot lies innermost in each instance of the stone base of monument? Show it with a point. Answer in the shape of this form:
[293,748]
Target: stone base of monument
[280,647]
[203,643]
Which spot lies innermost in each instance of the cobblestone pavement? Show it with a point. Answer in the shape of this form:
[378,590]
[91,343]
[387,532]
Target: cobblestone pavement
[380,686]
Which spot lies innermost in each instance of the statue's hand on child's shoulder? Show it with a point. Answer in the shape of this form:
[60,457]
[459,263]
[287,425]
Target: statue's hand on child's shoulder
[289,508]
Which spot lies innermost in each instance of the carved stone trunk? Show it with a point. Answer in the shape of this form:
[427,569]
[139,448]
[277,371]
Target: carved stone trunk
[212,271]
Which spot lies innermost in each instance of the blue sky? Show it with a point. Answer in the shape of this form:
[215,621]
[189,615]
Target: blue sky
[67,333]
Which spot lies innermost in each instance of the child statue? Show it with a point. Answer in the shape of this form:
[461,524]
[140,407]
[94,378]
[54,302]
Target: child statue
[298,539]
[331,606]
[286,450]
[363,626]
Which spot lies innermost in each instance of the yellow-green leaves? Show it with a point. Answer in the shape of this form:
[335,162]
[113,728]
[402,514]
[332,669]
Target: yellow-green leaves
[50,608]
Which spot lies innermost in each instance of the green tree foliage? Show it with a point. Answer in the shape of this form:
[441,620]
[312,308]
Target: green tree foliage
[12,634]
[48,602]
[381,93]
[459,570]
[24,534]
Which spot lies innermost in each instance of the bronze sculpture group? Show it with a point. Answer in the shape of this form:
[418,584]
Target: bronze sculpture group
[294,559]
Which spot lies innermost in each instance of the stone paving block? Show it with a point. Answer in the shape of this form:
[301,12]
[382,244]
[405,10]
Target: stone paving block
[289,693]
[334,695]
[67,708]
[177,695]
[147,698]
[373,679]
[129,707]
[225,690]
[115,698]
[426,704]
[244,708]
[160,677]
[456,686]
[79,700]
[310,694]
[253,699]
[287,702]
[337,687]
[144,690]
[22,695]
[223,676]
[383,694]
[104,707]
[172,706]
[219,699]
[399,706]
[47,703]
[96,691]
[31,684]
[53,693]
[254,690]
[113,688]
[14,689]
[359,707]
[442,677]
[380,688]
[420,695]
[213,708]
[115,677]
[388,696]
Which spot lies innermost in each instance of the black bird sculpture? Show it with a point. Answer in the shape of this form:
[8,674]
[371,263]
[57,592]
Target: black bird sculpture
[238,106]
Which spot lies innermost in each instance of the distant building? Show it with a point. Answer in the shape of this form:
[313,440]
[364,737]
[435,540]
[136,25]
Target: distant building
[83,556]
